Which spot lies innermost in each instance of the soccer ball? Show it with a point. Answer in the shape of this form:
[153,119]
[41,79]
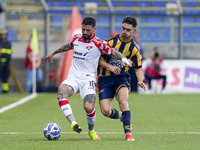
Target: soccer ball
[52,131]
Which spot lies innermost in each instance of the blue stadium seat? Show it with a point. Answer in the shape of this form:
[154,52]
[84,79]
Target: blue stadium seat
[198,19]
[143,19]
[188,19]
[197,35]
[176,34]
[63,4]
[154,19]
[165,34]
[11,34]
[144,4]
[102,32]
[159,4]
[166,19]
[188,34]
[190,12]
[115,4]
[56,19]
[118,28]
[127,4]
[119,19]
[103,19]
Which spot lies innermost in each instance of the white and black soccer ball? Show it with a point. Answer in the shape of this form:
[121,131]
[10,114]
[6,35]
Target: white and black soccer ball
[52,131]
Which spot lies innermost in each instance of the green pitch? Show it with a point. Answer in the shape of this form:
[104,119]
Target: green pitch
[167,122]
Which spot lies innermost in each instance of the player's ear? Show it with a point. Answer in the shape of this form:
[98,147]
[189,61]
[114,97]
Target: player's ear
[94,29]
[134,30]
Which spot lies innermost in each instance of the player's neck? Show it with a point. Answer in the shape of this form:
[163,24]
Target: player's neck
[125,39]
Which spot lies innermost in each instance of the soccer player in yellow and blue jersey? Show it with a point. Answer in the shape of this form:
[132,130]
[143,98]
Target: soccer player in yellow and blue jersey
[114,78]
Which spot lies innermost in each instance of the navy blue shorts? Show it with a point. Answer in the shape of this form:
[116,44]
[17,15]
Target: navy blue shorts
[110,85]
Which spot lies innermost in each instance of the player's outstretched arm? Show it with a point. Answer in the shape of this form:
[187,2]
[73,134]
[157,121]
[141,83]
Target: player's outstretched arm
[139,75]
[119,55]
[64,48]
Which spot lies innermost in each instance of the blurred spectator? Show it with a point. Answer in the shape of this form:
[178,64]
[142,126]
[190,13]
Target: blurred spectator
[113,32]
[29,66]
[5,57]
[134,86]
[154,67]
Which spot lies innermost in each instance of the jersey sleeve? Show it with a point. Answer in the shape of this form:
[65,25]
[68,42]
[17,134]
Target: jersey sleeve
[103,46]
[73,39]
[137,60]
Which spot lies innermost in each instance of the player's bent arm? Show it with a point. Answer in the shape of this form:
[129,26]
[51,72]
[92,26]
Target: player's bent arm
[139,75]
[119,55]
[116,70]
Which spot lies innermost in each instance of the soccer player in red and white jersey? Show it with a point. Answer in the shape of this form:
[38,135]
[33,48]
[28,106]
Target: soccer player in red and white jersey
[83,72]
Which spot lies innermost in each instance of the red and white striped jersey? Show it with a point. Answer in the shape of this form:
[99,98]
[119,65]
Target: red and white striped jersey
[86,55]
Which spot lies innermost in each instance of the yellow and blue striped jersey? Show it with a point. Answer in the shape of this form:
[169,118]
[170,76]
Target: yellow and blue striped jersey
[128,49]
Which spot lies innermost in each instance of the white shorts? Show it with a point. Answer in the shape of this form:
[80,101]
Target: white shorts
[84,86]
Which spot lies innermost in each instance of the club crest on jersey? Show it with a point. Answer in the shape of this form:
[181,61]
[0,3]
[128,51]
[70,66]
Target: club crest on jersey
[89,47]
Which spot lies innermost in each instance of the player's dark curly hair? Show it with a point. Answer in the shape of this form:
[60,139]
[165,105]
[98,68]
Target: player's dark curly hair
[89,21]
[130,20]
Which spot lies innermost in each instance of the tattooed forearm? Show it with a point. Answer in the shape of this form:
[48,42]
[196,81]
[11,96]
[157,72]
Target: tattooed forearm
[64,48]
[117,55]
[64,92]
[90,98]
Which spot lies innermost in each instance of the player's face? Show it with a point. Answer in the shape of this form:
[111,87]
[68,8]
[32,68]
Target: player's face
[87,31]
[127,30]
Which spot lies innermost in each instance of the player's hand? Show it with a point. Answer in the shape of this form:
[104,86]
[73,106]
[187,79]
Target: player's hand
[127,61]
[49,58]
[116,70]
[142,85]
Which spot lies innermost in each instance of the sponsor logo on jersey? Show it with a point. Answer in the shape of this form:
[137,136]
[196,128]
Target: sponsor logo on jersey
[89,47]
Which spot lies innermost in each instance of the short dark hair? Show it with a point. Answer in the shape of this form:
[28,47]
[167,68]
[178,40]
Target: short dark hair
[130,20]
[89,21]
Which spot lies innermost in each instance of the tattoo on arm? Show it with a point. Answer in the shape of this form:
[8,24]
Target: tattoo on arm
[117,55]
[65,91]
[64,48]
[90,98]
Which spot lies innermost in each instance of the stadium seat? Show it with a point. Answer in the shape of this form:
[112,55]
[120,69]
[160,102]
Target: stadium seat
[197,34]
[166,20]
[118,28]
[103,19]
[143,19]
[176,34]
[165,34]
[190,12]
[127,4]
[119,19]
[154,19]
[159,4]
[144,4]
[188,34]
[124,4]
[198,19]
[142,35]
[102,32]
[56,19]
[188,19]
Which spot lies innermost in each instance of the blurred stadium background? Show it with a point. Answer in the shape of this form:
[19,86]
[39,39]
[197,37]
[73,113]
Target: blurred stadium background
[171,25]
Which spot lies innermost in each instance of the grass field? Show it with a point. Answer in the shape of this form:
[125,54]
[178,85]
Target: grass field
[160,122]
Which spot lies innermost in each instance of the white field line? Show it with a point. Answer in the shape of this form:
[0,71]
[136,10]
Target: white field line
[104,133]
[21,101]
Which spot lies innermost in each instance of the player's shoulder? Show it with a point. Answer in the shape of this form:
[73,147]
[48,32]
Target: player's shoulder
[113,37]
[77,36]
[97,41]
